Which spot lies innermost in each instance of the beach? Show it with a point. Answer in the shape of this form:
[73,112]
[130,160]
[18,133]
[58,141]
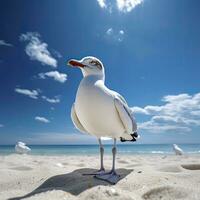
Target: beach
[152,177]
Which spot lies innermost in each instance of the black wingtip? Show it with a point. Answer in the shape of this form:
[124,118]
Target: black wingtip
[134,136]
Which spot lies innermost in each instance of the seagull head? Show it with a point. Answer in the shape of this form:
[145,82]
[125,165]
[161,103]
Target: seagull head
[175,145]
[89,66]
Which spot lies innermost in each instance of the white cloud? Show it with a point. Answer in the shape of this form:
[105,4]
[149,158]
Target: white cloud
[109,31]
[163,118]
[51,100]
[154,127]
[42,119]
[102,3]
[178,113]
[37,50]
[3,43]
[113,35]
[121,5]
[57,54]
[30,93]
[121,32]
[1,125]
[120,35]
[195,112]
[57,76]
[139,110]
[127,5]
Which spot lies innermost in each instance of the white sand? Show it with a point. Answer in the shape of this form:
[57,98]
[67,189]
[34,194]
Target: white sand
[144,177]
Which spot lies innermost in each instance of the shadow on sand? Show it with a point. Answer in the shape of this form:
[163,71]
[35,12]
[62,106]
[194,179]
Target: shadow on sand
[73,182]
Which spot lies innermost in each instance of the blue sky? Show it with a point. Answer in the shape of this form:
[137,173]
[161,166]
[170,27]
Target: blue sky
[151,54]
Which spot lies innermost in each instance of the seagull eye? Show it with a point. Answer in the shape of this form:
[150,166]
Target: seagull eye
[96,63]
[93,62]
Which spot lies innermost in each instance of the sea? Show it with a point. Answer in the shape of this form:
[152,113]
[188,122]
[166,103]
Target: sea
[94,149]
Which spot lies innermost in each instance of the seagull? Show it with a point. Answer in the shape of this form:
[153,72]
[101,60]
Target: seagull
[101,112]
[21,148]
[177,150]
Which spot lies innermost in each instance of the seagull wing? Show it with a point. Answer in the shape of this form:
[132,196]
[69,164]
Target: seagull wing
[125,115]
[121,98]
[76,121]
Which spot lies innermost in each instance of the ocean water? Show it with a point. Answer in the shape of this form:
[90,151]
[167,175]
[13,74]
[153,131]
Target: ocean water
[94,149]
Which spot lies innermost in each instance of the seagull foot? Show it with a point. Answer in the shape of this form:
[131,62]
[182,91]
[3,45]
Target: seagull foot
[111,177]
[99,172]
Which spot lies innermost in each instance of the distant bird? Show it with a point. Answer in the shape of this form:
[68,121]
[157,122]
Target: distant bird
[177,150]
[101,112]
[21,148]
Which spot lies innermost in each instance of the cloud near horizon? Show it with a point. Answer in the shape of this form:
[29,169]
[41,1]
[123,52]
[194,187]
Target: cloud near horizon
[30,93]
[178,113]
[42,119]
[1,125]
[56,75]
[37,50]
[60,138]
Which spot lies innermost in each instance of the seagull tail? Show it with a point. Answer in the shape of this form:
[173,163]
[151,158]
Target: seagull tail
[134,137]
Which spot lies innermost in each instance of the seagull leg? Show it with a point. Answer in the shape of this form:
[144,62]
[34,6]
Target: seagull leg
[101,170]
[112,176]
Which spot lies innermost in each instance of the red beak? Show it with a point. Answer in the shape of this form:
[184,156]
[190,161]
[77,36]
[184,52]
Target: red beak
[75,63]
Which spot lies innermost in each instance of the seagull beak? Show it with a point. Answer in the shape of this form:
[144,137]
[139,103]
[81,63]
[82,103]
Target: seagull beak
[75,63]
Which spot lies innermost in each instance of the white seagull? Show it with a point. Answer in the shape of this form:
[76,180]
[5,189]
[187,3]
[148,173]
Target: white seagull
[177,150]
[101,112]
[21,148]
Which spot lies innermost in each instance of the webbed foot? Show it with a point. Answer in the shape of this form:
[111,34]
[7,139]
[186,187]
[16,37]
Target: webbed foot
[111,177]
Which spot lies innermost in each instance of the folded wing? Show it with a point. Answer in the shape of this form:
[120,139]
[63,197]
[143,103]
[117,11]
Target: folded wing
[126,115]
[76,121]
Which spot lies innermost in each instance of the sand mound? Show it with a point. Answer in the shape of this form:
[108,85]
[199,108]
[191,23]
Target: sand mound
[165,193]
[107,193]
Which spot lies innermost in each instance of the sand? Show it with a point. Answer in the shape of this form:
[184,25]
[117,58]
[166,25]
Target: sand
[143,177]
